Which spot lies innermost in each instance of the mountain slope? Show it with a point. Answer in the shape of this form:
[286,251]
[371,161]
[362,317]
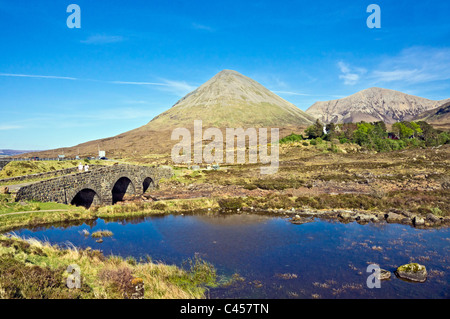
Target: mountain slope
[374,104]
[439,115]
[229,99]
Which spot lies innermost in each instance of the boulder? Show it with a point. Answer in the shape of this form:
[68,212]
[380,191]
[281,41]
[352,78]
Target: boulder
[433,218]
[412,272]
[407,221]
[345,215]
[374,219]
[384,274]
[362,218]
[394,218]
[418,221]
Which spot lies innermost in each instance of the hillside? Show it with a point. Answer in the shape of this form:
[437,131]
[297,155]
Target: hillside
[373,104]
[229,99]
[8,152]
[438,117]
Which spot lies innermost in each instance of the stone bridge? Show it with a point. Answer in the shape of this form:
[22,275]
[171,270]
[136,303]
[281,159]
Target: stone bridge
[102,186]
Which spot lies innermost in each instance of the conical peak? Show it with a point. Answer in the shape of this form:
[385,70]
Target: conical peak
[228,75]
[228,72]
[230,99]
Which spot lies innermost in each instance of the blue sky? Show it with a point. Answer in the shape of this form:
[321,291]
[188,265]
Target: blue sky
[132,60]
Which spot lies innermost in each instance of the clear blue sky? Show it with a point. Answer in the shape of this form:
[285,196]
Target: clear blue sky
[132,60]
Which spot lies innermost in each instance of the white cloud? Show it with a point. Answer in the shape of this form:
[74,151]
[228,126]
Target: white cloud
[396,75]
[102,39]
[415,65]
[344,67]
[180,88]
[291,93]
[137,83]
[350,75]
[202,27]
[7,127]
[38,76]
[349,78]
[176,87]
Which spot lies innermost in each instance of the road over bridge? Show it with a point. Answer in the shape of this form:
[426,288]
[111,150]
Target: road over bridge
[102,186]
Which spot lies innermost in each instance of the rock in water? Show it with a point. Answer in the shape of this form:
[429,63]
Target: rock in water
[419,221]
[384,274]
[412,272]
[394,218]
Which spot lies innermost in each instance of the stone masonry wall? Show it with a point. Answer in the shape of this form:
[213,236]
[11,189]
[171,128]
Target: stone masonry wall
[101,180]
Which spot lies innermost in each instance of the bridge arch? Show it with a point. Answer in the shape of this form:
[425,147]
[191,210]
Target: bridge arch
[86,197]
[147,183]
[124,185]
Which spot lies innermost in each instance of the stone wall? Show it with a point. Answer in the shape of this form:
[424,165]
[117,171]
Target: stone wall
[3,163]
[101,181]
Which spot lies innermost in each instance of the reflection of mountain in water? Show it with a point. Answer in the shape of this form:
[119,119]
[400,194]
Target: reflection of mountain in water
[220,238]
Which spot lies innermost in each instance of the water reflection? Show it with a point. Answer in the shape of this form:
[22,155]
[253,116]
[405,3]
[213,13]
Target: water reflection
[274,258]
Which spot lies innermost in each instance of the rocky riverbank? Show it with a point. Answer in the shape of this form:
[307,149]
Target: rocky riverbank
[301,216]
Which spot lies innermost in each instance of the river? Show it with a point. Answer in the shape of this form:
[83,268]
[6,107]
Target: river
[275,258]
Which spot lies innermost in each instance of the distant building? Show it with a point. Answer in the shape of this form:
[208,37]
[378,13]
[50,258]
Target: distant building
[392,136]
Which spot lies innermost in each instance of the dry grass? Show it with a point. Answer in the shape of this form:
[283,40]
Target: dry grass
[102,277]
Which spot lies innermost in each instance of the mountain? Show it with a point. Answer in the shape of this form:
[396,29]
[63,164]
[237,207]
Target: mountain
[438,117]
[440,114]
[229,99]
[374,104]
[6,153]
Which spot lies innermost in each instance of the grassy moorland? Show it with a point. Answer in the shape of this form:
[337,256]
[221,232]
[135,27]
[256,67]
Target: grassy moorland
[30,269]
[326,176]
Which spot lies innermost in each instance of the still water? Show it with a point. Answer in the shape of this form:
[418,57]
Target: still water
[277,259]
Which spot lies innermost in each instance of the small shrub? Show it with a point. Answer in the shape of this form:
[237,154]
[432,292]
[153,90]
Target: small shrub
[21,281]
[231,203]
[250,186]
[118,281]
[200,271]
[291,138]
[436,211]
[159,206]
[102,233]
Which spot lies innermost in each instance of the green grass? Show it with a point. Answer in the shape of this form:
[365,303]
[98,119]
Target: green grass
[28,213]
[102,233]
[292,138]
[31,214]
[9,205]
[30,269]
[21,168]
[417,202]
